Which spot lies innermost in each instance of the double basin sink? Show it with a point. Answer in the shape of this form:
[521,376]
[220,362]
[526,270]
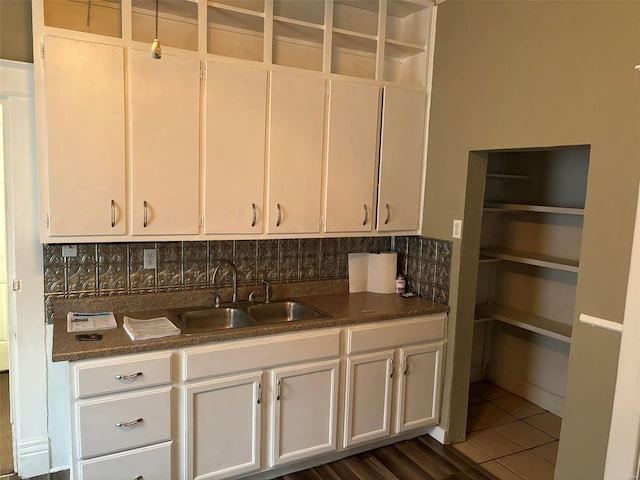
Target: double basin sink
[196,320]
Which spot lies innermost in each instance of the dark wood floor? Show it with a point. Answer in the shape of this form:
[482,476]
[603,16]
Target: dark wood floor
[422,458]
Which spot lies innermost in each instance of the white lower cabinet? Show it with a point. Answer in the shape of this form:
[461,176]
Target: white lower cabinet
[223,426]
[397,385]
[304,407]
[231,409]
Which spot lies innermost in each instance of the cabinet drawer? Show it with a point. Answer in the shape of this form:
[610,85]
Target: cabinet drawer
[149,463]
[391,334]
[200,362]
[102,423]
[118,374]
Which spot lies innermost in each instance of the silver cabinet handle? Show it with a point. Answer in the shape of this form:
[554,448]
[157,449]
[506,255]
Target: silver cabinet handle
[388,214]
[146,214]
[254,217]
[406,366]
[393,369]
[279,219]
[133,376]
[259,393]
[132,423]
[139,477]
[366,214]
[278,390]
[113,213]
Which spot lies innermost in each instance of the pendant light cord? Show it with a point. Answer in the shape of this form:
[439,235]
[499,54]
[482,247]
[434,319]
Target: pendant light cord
[156,19]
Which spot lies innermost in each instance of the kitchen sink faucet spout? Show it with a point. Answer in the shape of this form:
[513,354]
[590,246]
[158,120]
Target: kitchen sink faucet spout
[234,272]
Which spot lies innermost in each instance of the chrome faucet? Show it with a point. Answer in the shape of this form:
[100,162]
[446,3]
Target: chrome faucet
[267,291]
[234,272]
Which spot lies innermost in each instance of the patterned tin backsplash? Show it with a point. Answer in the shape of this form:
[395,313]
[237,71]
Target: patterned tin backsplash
[117,268]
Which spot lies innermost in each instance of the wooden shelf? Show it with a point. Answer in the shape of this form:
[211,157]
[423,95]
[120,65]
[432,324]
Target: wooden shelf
[527,321]
[485,259]
[519,207]
[356,41]
[404,8]
[298,30]
[400,49]
[234,21]
[508,177]
[527,258]
[236,9]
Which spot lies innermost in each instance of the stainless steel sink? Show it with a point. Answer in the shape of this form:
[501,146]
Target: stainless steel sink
[209,319]
[283,311]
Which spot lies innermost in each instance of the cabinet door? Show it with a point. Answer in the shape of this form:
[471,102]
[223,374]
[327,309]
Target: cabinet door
[84,112]
[235,119]
[165,135]
[368,397]
[296,124]
[418,394]
[401,159]
[222,425]
[303,411]
[352,146]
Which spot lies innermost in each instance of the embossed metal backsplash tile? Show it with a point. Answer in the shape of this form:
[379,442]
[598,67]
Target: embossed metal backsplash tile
[117,268]
[426,265]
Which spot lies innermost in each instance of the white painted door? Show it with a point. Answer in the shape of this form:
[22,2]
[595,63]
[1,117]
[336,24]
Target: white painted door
[418,392]
[352,148]
[296,125]
[165,148]
[368,397]
[84,114]
[222,425]
[401,159]
[304,408]
[235,148]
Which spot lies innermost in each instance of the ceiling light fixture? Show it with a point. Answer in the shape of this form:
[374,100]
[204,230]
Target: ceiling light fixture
[156,51]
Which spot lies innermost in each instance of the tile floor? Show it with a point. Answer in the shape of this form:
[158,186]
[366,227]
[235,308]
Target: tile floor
[508,436]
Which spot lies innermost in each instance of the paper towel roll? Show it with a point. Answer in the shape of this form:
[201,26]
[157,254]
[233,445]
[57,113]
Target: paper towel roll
[381,277]
[358,271]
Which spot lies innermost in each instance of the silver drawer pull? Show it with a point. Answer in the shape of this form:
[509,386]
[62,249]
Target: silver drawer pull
[386,221]
[259,393]
[406,366]
[279,390]
[113,213]
[366,215]
[133,376]
[132,423]
[139,477]
[393,369]
[279,219]
[145,214]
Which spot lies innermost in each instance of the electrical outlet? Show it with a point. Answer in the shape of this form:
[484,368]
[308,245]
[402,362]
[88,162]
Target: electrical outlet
[149,256]
[69,250]
[457,229]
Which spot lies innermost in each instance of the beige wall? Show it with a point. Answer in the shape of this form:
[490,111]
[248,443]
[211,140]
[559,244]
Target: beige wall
[532,74]
[15,30]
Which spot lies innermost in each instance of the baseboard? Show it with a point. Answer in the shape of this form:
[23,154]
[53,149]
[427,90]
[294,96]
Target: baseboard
[543,398]
[438,433]
[33,458]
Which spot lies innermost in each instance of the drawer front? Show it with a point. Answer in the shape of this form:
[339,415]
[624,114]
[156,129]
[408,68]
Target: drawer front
[393,333]
[119,374]
[230,357]
[148,463]
[121,422]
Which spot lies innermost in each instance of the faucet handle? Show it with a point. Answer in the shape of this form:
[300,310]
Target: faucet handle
[215,297]
[267,290]
[253,295]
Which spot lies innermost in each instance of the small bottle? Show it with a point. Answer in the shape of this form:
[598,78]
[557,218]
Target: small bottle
[400,285]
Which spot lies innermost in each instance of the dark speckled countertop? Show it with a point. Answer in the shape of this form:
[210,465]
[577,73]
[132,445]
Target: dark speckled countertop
[343,308]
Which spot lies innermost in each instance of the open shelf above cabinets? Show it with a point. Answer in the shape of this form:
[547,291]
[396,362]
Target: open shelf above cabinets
[236,29]
[177,24]
[519,207]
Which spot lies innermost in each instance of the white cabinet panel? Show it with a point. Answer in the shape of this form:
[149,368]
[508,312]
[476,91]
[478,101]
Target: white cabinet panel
[165,143]
[85,138]
[418,393]
[352,146]
[223,425]
[235,148]
[304,411]
[296,125]
[368,397]
[401,159]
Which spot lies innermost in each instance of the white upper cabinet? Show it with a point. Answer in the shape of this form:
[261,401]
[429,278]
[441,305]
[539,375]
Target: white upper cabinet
[235,148]
[401,159]
[296,126]
[165,143]
[85,141]
[352,147]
